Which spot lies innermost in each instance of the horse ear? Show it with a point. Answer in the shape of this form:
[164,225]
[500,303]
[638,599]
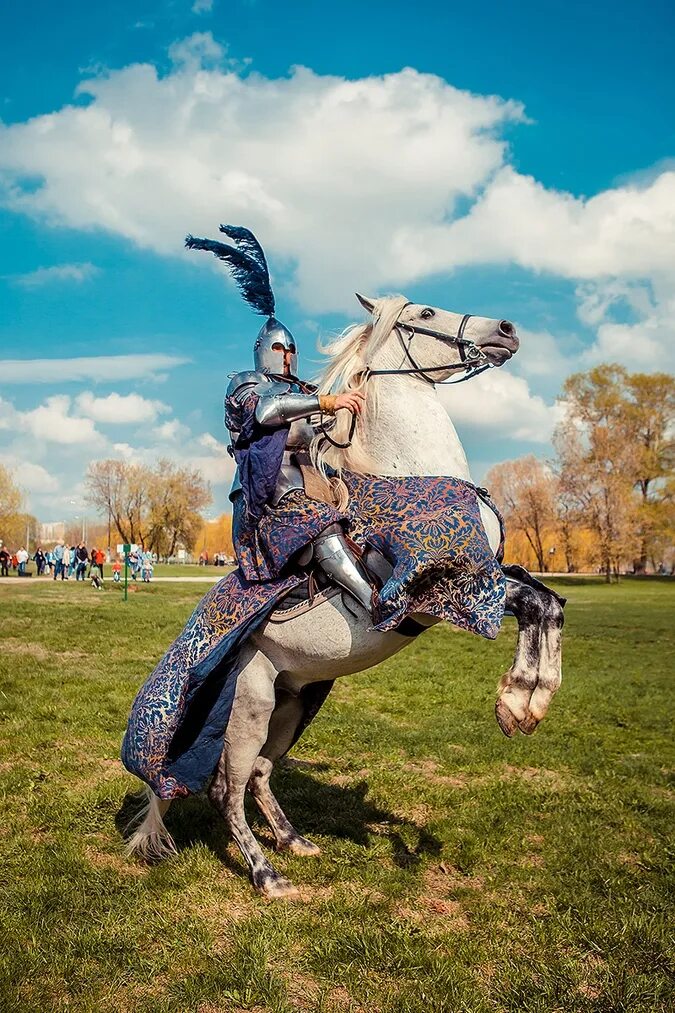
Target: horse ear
[368,304]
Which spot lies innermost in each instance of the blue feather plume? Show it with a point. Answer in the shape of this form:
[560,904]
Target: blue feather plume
[247,265]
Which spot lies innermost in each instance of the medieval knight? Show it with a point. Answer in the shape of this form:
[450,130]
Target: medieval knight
[269,414]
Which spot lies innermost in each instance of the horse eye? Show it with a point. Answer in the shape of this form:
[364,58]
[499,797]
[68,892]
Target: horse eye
[427,313]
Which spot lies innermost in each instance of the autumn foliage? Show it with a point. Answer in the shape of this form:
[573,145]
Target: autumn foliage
[607,500]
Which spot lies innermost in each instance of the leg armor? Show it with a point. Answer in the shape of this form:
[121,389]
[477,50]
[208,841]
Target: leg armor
[338,563]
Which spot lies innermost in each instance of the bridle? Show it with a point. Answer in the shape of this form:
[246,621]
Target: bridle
[473,361]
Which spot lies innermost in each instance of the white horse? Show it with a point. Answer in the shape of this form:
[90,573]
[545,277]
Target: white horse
[403,430]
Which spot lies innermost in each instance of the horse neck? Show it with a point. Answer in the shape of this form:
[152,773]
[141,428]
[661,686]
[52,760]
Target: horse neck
[406,431]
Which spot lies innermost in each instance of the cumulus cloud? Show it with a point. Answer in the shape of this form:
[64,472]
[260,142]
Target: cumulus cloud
[100,368]
[328,171]
[120,409]
[503,404]
[31,477]
[51,422]
[171,430]
[59,272]
[202,6]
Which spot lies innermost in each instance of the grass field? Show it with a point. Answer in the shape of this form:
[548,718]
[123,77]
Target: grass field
[460,871]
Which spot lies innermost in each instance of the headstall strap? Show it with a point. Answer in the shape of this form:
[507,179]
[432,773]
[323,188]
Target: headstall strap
[470,361]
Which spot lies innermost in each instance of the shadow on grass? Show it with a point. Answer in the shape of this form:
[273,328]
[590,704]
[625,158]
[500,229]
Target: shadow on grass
[340,811]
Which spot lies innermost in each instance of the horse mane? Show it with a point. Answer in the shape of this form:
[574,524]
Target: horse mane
[348,355]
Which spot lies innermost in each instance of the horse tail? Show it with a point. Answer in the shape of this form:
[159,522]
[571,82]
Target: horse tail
[148,837]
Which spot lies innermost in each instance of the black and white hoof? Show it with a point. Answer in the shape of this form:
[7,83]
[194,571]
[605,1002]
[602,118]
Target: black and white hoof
[269,884]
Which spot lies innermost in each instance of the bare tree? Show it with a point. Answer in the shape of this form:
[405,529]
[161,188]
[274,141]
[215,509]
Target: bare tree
[525,490]
[156,508]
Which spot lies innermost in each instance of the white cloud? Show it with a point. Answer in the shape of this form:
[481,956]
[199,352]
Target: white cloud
[171,430]
[502,404]
[51,421]
[197,51]
[60,272]
[328,171]
[31,477]
[202,6]
[100,368]
[120,409]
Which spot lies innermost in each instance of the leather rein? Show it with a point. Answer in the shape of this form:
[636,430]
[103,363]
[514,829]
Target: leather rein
[473,361]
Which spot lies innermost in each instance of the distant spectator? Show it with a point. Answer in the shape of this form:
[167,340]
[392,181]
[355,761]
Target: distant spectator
[22,558]
[97,559]
[40,560]
[73,561]
[81,557]
[5,559]
[65,565]
[49,560]
[100,558]
[116,571]
[59,549]
[146,567]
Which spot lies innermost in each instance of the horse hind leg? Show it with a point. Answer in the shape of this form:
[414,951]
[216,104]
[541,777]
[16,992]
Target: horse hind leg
[246,735]
[287,715]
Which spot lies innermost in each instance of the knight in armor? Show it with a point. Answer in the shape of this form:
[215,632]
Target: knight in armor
[271,415]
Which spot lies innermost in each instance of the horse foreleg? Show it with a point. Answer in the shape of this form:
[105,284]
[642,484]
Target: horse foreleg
[247,731]
[550,660]
[285,719]
[517,686]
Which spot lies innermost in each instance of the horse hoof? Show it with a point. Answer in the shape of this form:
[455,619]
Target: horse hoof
[279,889]
[528,724]
[505,719]
[300,846]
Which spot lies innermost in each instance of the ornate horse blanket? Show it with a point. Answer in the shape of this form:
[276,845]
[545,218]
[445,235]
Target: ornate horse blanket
[430,530]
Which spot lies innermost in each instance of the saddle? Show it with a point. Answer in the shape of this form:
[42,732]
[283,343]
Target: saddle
[316,589]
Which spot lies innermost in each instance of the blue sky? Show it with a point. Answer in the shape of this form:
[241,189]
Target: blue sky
[521,167]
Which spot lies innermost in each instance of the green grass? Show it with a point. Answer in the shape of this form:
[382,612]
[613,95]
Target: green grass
[460,871]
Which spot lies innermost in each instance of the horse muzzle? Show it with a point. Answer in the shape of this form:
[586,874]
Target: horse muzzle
[500,346]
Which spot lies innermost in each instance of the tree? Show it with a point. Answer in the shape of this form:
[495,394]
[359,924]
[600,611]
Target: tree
[599,461]
[175,498]
[650,419]
[525,490]
[156,508]
[11,498]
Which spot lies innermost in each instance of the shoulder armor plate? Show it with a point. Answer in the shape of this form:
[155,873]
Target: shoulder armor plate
[245,381]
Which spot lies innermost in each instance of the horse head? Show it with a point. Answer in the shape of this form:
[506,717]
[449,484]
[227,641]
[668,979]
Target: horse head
[426,340]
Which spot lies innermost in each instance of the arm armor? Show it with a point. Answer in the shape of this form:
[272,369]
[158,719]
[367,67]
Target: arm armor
[278,406]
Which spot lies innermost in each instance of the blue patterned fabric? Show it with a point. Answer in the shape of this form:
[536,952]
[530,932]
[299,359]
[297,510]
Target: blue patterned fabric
[175,731]
[431,531]
[265,548]
[258,453]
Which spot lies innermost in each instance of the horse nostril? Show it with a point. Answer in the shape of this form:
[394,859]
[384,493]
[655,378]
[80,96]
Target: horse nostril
[506,329]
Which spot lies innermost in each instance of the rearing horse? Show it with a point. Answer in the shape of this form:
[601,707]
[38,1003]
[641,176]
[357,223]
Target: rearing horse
[404,430]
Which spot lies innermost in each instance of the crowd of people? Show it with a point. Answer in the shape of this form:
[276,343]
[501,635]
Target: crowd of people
[60,562]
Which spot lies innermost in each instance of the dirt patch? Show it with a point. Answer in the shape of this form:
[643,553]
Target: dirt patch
[429,769]
[110,860]
[13,645]
[534,775]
